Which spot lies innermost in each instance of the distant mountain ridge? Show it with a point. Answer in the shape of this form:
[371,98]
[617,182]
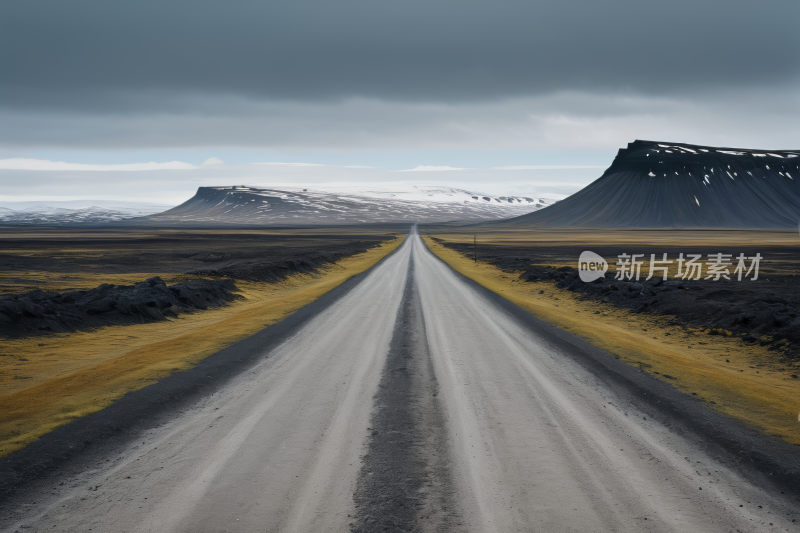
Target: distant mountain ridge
[49,215]
[677,185]
[290,205]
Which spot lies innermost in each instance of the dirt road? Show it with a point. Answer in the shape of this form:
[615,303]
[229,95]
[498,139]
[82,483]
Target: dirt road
[418,402]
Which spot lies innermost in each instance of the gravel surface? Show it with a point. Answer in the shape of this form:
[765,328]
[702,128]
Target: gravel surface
[404,480]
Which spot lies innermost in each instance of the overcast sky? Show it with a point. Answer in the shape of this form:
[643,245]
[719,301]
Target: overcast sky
[93,91]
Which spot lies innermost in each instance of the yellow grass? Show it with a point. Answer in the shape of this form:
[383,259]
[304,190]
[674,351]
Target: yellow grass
[57,246]
[48,381]
[744,382]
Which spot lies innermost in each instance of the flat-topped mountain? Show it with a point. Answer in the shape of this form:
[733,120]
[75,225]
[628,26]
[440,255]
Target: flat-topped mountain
[289,206]
[677,185]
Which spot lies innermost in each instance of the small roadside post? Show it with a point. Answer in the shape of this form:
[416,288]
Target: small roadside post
[475,247]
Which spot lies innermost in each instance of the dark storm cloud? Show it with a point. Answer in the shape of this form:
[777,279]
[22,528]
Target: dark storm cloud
[85,54]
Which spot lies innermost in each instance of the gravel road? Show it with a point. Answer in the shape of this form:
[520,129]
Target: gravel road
[418,401]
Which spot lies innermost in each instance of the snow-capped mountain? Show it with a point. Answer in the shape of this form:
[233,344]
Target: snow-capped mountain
[44,214]
[677,185]
[289,205]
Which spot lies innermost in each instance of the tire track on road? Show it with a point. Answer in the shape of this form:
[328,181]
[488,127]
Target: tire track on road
[405,481]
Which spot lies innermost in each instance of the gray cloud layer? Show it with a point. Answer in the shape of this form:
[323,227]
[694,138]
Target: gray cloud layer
[82,53]
[413,75]
[562,121]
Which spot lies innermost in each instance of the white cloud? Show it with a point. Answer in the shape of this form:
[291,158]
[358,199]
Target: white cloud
[431,168]
[546,167]
[176,186]
[213,161]
[291,164]
[21,163]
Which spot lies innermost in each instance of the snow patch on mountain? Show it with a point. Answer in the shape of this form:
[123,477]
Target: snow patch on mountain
[677,185]
[347,205]
[45,214]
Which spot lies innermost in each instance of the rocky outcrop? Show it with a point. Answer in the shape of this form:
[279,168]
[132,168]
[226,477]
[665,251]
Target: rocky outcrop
[761,316]
[39,312]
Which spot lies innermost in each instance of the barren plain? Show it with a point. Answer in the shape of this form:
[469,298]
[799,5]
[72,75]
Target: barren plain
[410,398]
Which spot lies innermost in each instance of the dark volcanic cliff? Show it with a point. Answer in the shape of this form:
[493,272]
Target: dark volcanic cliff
[669,185]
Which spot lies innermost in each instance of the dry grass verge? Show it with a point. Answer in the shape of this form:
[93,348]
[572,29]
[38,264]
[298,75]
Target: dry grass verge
[45,383]
[740,381]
